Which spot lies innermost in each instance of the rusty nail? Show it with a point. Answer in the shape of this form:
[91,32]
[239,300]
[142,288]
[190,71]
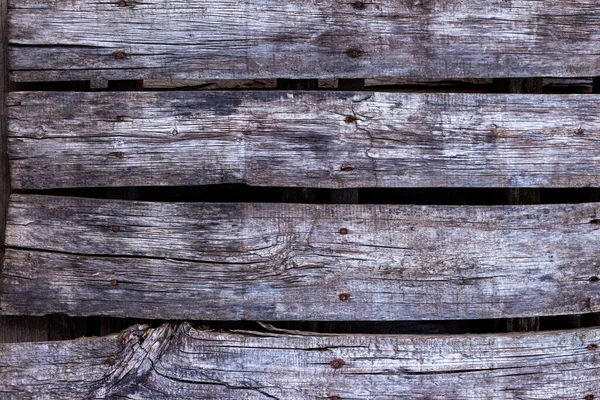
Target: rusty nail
[347,167]
[594,279]
[117,154]
[354,53]
[592,347]
[343,231]
[359,5]
[344,296]
[119,54]
[122,3]
[114,282]
[115,228]
[337,363]
[350,119]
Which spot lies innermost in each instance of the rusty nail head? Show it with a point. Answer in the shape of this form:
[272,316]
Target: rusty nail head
[337,363]
[347,167]
[354,53]
[344,296]
[114,282]
[350,119]
[592,347]
[115,228]
[119,54]
[343,231]
[122,3]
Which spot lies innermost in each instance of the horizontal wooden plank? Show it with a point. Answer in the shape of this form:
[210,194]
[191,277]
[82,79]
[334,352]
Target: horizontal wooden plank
[178,361]
[323,139]
[298,262]
[216,39]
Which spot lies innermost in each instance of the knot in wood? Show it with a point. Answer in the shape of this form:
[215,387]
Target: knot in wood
[337,363]
[344,296]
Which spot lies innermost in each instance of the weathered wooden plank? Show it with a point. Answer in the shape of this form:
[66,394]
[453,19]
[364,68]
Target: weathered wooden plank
[324,139]
[215,39]
[178,361]
[298,261]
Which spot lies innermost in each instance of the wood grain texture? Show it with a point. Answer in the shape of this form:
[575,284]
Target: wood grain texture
[324,139]
[216,39]
[252,261]
[178,361]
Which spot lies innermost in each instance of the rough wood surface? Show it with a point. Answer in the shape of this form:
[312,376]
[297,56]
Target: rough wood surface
[178,361]
[298,261]
[216,39]
[305,139]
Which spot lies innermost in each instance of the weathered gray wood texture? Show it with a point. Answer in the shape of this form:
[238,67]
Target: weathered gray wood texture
[216,39]
[304,139]
[182,362]
[298,261]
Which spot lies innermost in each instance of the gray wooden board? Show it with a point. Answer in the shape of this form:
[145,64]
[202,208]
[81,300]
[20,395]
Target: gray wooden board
[178,361]
[216,39]
[250,261]
[303,139]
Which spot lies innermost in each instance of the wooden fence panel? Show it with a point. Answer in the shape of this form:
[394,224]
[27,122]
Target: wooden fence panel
[253,261]
[216,39]
[303,139]
[182,362]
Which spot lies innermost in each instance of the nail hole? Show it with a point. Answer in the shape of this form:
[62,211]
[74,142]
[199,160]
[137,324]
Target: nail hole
[343,231]
[592,347]
[594,279]
[119,54]
[595,221]
[350,119]
[359,5]
[354,53]
[115,228]
[114,282]
[344,296]
[347,167]
[117,154]
[337,363]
